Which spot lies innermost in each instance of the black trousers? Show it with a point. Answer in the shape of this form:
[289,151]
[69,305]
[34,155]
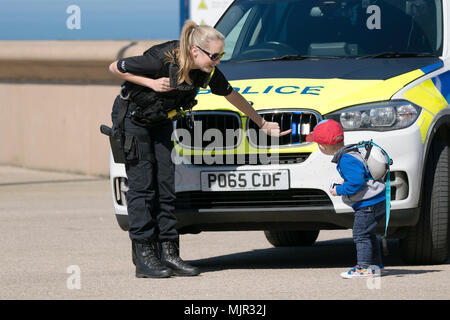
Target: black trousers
[151,182]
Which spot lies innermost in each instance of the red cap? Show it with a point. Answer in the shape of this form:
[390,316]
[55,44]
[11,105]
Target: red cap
[326,132]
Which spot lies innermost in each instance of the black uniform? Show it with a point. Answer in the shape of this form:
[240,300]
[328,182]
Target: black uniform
[149,166]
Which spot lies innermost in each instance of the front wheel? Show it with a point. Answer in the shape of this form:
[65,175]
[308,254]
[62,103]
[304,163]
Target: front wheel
[428,241]
[291,238]
[122,220]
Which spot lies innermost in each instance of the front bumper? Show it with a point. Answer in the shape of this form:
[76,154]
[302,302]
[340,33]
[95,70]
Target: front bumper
[295,218]
[317,172]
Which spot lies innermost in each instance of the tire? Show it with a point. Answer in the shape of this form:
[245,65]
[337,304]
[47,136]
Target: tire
[291,238]
[428,241]
[122,220]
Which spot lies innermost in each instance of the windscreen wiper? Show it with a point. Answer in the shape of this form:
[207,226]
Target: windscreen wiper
[396,55]
[289,57]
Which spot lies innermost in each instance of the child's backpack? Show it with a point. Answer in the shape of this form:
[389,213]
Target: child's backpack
[375,158]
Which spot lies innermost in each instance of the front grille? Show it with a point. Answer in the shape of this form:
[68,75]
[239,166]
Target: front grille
[302,122]
[254,199]
[212,130]
[245,159]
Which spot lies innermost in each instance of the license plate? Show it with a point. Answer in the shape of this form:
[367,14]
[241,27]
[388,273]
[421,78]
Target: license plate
[245,180]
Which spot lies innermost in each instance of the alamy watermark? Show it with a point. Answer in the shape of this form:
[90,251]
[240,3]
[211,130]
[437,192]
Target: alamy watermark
[73,282]
[374,282]
[218,147]
[73,22]
[374,20]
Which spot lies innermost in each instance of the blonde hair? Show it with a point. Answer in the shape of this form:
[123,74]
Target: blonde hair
[191,35]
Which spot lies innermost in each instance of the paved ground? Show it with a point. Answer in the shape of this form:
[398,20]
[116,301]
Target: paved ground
[60,240]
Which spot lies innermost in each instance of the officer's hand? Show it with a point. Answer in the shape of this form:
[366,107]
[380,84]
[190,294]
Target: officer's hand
[161,85]
[273,129]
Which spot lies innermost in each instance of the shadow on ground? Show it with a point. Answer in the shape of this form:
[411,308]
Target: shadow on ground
[338,253]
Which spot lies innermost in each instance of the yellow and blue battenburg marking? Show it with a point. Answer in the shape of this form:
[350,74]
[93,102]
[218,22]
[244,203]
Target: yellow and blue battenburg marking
[432,95]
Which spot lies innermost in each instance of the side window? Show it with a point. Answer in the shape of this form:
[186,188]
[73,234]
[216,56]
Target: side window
[232,37]
[268,27]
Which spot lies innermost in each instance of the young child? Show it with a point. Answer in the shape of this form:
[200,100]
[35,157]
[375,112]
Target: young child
[365,195]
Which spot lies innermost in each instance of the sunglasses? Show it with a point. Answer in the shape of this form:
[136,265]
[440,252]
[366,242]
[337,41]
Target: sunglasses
[214,56]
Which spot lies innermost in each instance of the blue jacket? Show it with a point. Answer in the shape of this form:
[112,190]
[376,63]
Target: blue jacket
[359,189]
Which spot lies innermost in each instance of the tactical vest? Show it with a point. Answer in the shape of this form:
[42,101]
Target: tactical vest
[148,107]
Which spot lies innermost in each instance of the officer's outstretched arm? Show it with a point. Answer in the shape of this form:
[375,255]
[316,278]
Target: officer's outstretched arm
[271,128]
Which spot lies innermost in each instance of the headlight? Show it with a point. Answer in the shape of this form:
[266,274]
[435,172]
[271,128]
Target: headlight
[383,115]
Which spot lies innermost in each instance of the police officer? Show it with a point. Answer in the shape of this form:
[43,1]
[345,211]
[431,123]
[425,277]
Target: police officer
[147,100]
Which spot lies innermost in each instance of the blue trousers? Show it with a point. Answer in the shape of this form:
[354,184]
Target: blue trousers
[368,250]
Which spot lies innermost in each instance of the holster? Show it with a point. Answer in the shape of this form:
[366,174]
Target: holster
[117,141]
[117,134]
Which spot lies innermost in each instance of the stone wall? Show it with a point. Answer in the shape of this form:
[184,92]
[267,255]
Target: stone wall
[55,95]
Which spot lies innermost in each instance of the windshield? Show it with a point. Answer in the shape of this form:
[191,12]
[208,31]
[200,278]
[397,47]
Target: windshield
[266,29]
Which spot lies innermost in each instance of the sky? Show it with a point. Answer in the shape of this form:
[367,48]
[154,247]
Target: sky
[89,19]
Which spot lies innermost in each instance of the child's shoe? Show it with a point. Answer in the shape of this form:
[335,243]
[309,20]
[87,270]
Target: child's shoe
[358,272]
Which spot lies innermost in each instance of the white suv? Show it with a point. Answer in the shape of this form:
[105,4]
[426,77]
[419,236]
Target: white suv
[380,68]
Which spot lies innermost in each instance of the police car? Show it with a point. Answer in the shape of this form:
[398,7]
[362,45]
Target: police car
[379,67]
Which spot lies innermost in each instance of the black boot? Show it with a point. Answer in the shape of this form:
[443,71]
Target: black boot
[148,264]
[170,257]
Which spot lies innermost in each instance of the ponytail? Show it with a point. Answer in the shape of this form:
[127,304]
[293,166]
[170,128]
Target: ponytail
[191,35]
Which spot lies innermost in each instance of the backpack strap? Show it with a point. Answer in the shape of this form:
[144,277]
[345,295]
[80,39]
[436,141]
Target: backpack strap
[388,189]
[345,149]
[351,149]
